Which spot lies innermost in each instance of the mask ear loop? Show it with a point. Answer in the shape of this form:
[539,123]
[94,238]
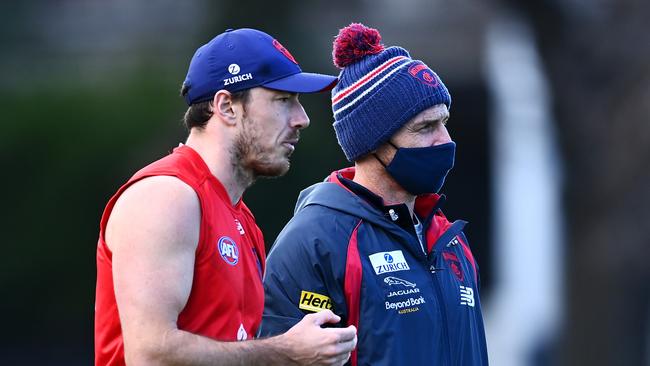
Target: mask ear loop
[379,160]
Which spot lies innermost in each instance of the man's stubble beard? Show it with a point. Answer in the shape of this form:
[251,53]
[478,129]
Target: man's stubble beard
[249,159]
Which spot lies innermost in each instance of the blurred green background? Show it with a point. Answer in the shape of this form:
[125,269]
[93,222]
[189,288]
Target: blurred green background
[89,93]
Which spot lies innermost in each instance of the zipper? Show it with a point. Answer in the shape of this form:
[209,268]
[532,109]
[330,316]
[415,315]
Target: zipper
[432,260]
[443,307]
[422,247]
[420,234]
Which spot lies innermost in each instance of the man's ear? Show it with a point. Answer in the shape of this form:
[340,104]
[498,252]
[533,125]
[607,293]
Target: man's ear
[223,107]
[385,152]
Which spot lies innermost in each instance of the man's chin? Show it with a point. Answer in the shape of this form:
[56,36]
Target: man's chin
[271,170]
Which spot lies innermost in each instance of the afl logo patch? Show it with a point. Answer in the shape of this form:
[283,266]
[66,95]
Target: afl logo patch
[228,250]
[424,74]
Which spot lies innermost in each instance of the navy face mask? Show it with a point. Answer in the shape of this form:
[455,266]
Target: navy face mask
[421,170]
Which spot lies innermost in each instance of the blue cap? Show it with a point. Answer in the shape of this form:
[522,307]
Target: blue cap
[246,58]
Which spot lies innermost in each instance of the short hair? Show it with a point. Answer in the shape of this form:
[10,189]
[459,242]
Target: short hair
[198,114]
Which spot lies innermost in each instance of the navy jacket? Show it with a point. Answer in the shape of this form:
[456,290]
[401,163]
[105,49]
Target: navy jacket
[413,303]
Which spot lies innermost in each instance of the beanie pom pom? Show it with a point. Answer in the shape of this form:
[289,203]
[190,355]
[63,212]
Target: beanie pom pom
[355,42]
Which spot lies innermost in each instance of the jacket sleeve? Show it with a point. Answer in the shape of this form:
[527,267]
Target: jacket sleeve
[305,269]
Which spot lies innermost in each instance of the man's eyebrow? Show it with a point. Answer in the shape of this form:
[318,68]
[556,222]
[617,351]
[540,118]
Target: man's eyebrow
[432,119]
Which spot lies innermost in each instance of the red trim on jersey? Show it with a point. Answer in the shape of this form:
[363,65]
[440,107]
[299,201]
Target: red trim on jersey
[352,286]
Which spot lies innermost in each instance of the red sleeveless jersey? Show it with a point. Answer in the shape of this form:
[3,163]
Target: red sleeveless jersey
[227,298]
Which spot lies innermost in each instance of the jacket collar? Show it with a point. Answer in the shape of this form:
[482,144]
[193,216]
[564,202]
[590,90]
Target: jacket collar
[425,205]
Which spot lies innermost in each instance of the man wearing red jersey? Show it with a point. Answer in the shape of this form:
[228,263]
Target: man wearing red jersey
[180,259]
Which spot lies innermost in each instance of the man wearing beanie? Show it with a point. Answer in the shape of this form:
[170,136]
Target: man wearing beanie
[180,259]
[371,242]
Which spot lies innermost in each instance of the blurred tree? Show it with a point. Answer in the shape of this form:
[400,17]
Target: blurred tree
[598,58]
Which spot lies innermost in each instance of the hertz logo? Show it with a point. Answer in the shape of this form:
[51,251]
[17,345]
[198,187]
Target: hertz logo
[311,301]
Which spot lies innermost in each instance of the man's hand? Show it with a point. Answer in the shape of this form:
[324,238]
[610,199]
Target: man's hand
[309,344]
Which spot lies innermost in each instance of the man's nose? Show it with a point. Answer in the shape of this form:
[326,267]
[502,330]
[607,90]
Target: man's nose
[299,119]
[442,137]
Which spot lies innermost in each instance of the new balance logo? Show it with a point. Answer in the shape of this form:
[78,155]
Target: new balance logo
[466,296]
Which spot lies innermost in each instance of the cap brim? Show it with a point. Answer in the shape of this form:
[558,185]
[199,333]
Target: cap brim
[303,82]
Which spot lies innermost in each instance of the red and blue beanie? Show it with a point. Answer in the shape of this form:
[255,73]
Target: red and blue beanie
[379,90]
